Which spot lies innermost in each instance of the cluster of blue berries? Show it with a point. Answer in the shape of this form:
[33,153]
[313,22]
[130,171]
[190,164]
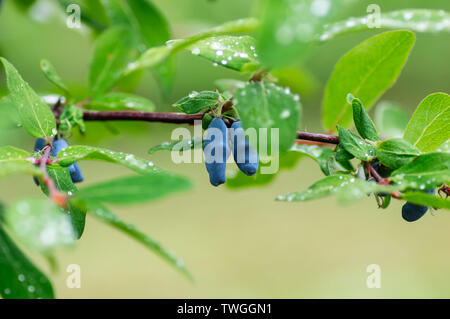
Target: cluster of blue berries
[58,145]
[217,150]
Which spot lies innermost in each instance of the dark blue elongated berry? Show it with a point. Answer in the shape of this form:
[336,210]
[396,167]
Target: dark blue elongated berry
[74,169]
[412,212]
[245,156]
[217,151]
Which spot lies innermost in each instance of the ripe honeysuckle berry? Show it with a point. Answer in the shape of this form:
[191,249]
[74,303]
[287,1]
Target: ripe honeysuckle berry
[412,212]
[74,169]
[217,151]
[245,156]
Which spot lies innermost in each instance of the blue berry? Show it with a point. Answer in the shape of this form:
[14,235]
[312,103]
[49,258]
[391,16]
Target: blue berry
[39,145]
[245,156]
[74,169]
[412,212]
[216,140]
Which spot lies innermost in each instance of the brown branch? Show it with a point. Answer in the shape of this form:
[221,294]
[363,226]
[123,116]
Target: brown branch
[180,118]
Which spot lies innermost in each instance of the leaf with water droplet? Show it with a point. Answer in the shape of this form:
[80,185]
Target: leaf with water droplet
[396,152]
[347,187]
[104,214]
[356,146]
[70,118]
[35,116]
[14,160]
[117,101]
[77,153]
[417,20]
[40,224]
[424,199]
[18,273]
[233,52]
[178,145]
[429,126]
[366,71]
[427,172]
[197,102]
[268,108]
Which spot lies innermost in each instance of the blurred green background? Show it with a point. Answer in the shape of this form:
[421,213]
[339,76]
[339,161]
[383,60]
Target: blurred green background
[237,244]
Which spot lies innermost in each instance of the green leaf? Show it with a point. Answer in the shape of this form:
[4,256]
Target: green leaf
[19,277]
[14,160]
[35,116]
[134,189]
[120,101]
[366,71]
[319,154]
[150,27]
[229,85]
[105,215]
[289,26]
[177,145]
[363,123]
[114,49]
[70,118]
[390,119]
[347,187]
[233,52]
[76,153]
[197,102]
[425,199]
[64,183]
[267,106]
[50,73]
[396,152]
[429,125]
[417,20]
[40,224]
[444,147]
[427,172]
[156,55]
[356,146]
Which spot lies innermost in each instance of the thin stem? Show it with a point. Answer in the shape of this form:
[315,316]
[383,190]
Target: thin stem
[323,138]
[59,198]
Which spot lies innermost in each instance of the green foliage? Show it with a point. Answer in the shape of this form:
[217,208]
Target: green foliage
[35,116]
[116,101]
[396,152]
[50,73]
[363,123]
[134,189]
[427,172]
[19,277]
[236,53]
[40,224]
[374,65]
[77,153]
[197,102]
[266,106]
[14,160]
[429,125]
[114,49]
[177,145]
[356,146]
[104,214]
[391,120]
[70,118]
[425,199]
